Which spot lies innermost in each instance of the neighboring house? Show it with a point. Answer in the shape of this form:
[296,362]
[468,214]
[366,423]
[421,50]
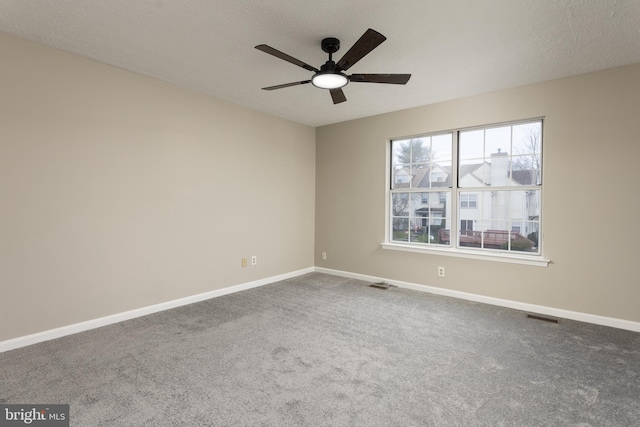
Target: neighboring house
[479,210]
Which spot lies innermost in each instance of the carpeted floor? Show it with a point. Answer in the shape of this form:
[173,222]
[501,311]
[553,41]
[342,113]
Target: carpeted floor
[321,350]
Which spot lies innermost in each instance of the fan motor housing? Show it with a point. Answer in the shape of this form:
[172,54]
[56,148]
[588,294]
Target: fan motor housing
[330,45]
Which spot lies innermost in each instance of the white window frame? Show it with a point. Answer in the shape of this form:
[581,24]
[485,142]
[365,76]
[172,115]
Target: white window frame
[453,249]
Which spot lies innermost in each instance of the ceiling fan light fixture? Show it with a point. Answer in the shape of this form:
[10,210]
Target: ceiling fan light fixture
[331,75]
[329,80]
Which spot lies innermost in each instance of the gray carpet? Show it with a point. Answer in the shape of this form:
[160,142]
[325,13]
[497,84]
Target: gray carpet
[323,350]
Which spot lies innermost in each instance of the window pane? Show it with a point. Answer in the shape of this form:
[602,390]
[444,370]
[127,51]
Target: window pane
[401,152]
[520,243]
[532,205]
[400,231]
[501,220]
[496,236]
[527,170]
[415,204]
[420,162]
[420,178]
[439,230]
[499,169]
[420,150]
[411,151]
[471,152]
[400,204]
[400,208]
[471,145]
[497,140]
[441,147]
[441,174]
[431,219]
[501,156]
[440,217]
[470,216]
[418,216]
[400,177]
[525,162]
[531,231]
[497,209]
[474,174]
[527,139]
[417,230]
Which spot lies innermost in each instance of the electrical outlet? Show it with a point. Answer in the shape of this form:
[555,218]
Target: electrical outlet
[244,262]
[254,260]
[324,256]
[440,271]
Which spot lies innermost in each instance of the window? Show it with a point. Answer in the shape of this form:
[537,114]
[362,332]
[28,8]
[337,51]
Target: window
[472,189]
[427,160]
[402,178]
[466,225]
[468,200]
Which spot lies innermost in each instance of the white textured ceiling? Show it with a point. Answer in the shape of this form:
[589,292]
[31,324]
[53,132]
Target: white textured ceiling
[452,48]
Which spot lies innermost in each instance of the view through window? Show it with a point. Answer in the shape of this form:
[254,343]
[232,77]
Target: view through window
[482,186]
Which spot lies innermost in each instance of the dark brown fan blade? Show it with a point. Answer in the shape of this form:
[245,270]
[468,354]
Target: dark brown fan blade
[288,58]
[338,96]
[396,79]
[304,82]
[365,44]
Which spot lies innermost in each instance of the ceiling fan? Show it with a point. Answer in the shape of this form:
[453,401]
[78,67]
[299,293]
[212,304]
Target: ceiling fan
[332,75]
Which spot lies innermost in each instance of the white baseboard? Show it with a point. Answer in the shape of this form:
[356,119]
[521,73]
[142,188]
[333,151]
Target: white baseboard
[531,308]
[120,317]
[139,312]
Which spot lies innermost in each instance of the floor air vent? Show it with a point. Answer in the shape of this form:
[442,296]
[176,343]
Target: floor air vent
[380,285]
[543,318]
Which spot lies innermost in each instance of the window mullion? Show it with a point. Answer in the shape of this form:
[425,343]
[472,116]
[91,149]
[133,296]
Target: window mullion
[455,203]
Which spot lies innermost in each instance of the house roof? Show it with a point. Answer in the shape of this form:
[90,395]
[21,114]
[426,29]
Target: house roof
[525,177]
[423,175]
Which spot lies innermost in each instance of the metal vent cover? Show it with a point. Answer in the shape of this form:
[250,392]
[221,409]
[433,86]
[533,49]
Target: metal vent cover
[542,318]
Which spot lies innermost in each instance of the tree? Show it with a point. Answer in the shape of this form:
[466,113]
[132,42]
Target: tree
[412,151]
[529,154]
[400,204]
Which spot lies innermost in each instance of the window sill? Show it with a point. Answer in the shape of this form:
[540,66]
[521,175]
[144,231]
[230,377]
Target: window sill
[470,254]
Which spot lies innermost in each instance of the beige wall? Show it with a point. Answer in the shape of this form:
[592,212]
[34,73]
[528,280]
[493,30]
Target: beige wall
[118,191]
[590,200]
